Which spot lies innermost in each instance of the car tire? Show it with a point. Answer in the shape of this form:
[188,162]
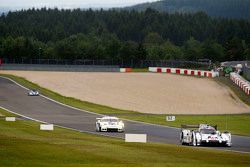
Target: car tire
[181,139]
[194,141]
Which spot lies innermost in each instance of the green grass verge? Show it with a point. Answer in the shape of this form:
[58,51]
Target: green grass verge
[237,124]
[245,77]
[140,70]
[23,144]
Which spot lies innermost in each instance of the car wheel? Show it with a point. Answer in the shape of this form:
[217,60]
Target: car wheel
[194,141]
[97,128]
[181,139]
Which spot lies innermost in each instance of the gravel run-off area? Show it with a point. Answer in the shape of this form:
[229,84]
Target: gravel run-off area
[143,92]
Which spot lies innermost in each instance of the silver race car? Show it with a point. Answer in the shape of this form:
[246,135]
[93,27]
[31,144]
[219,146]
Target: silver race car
[33,93]
[108,124]
[204,134]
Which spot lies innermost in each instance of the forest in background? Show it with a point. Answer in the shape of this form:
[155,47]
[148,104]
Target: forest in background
[122,35]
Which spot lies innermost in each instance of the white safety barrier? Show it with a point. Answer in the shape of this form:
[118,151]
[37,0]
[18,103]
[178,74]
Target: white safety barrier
[125,69]
[241,82]
[46,127]
[152,69]
[10,119]
[139,138]
[122,70]
[200,73]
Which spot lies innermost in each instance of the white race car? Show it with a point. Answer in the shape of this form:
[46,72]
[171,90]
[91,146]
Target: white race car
[33,93]
[204,134]
[109,124]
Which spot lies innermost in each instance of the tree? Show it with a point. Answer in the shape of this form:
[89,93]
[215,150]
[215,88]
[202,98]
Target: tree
[155,52]
[192,49]
[172,52]
[235,49]
[247,53]
[106,34]
[129,51]
[212,50]
[153,39]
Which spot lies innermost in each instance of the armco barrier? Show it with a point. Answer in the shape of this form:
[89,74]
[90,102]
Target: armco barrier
[200,73]
[72,68]
[241,82]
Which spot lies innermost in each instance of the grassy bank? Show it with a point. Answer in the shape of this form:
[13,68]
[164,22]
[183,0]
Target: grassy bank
[236,89]
[140,70]
[23,144]
[237,124]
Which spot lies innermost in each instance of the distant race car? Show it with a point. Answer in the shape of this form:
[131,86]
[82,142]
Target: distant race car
[33,93]
[204,134]
[108,124]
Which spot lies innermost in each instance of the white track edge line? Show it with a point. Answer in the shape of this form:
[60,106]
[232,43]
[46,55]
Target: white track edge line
[85,110]
[60,126]
[100,115]
[99,134]
[97,113]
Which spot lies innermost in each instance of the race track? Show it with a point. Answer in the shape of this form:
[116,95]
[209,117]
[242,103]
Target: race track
[14,98]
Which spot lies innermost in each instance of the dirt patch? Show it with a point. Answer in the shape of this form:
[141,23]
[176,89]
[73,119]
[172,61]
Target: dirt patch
[143,92]
[232,96]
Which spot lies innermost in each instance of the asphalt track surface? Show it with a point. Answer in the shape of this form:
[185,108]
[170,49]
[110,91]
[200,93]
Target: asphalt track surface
[14,98]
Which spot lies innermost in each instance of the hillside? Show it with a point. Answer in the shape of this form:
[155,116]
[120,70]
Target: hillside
[219,8]
[121,35]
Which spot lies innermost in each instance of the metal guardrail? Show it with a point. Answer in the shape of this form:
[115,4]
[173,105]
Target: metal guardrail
[246,72]
[120,63]
[73,68]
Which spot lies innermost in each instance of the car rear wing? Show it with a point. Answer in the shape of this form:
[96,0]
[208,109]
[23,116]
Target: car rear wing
[189,126]
[196,126]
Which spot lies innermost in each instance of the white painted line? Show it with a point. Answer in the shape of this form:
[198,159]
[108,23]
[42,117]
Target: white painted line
[94,133]
[82,131]
[145,123]
[103,134]
[53,100]
[138,138]
[22,115]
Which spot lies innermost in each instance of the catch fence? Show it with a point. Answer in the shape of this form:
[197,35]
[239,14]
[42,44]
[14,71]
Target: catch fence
[120,63]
